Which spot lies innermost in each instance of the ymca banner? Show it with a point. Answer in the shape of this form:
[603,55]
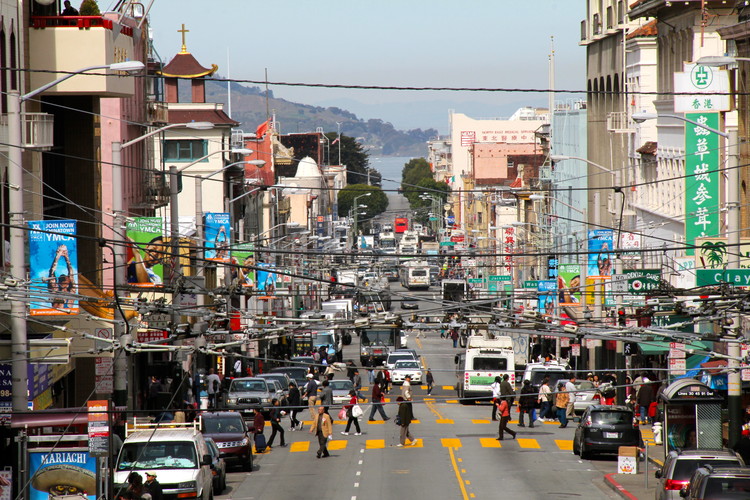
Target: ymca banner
[53,261]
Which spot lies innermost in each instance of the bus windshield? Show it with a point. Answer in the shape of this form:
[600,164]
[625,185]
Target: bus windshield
[378,337]
[490,364]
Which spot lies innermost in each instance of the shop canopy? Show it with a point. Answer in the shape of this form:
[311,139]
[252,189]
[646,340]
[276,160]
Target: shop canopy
[656,347]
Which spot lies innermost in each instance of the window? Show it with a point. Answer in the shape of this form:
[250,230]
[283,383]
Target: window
[184,150]
[490,364]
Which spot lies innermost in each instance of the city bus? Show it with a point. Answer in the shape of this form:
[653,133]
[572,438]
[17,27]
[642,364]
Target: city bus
[487,356]
[401,224]
[377,341]
[415,277]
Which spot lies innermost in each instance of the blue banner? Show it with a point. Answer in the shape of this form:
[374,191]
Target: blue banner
[600,253]
[53,261]
[217,235]
[62,472]
[547,293]
[266,280]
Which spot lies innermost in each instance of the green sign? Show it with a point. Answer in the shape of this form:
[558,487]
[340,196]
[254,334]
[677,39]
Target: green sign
[432,219]
[447,243]
[476,281]
[531,284]
[501,277]
[734,277]
[642,281]
[701,178]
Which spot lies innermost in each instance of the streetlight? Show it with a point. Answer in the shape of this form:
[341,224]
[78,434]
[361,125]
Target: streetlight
[356,214]
[719,60]
[19,340]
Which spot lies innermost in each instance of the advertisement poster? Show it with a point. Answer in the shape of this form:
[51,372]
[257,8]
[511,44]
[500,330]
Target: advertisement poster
[6,483]
[681,427]
[146,252]
[243,256]
[53,261]
[218,237]
[266,280]
[600,253]
[569,284]
[547,291]
[64,472]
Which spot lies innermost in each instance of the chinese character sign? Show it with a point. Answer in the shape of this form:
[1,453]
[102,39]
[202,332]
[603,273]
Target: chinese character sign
[146,251]
[53,260]
[701,178]
[217,236]
[600,253]
[509,247]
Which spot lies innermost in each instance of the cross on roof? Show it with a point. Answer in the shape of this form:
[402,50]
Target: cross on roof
[183,31]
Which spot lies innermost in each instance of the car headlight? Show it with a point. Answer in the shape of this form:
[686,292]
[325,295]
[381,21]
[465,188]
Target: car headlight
[264,400]
[232,401]
[244,442]
[187,485]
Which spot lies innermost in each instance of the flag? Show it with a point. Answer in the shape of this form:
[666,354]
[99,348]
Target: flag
[335,140]
[262,128]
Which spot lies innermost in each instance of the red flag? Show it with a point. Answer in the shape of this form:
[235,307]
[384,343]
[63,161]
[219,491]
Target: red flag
[262,129]
[335,141]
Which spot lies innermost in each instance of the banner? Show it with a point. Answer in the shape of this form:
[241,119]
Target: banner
[53,262]
[569,284]
[547,291]
[62,472]
[217,236]
[702,157]
[243,256]
[146,251]
[600,253]
[266,280]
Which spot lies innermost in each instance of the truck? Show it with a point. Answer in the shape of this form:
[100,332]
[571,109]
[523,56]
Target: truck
[454,290]
[408,245]
[520,346]
[377,341]
[430,247]
[487,356]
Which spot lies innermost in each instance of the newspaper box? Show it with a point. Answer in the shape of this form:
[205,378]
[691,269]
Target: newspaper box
[627,460]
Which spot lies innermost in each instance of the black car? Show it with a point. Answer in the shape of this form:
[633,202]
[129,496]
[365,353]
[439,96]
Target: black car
[603,429]
[230,433]
[409,303]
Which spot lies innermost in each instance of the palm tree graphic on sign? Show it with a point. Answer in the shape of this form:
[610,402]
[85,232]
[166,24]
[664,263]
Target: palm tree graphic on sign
[713,253]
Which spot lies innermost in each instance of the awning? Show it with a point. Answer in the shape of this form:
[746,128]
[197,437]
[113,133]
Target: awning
[650,348]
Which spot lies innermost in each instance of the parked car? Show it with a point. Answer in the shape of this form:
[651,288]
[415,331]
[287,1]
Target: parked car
[679,466]
[718,483]
[587,395]
[295,373]
[218,467]
[341,388]
[231,435]
[403,368]
[603,429]
[247,394]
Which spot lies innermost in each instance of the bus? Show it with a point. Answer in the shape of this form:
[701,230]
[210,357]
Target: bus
[415,277]
[401,224]
[377,341]
[388,242]
[487,356]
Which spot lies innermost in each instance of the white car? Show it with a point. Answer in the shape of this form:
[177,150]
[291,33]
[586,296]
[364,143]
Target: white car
[394,357]
[404,368]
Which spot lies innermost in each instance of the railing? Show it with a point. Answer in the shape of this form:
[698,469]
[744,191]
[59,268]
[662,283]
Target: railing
[620,123]
[80,22]
[36,131]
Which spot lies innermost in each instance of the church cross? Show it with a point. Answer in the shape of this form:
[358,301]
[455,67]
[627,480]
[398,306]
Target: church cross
[183,31]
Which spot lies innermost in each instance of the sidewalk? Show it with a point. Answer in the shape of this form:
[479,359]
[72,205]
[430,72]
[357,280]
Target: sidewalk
[634,486]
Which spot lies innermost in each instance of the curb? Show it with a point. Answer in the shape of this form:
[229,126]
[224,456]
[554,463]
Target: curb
[617,487]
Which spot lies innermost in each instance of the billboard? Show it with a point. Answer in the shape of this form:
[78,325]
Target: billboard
[569,284]
[600,253]
[69,472]
[217,236]
[146,251]
[547,292]
[53,262]
[243,256]
[266,279]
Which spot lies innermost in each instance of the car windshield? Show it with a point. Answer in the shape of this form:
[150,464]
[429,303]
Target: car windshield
[538,375]
[341,385]
[683,468]
[611,417]
[407,365]
[248,386]
[401,357]
[490,364]
[157,455]
[727,488]
[218,425]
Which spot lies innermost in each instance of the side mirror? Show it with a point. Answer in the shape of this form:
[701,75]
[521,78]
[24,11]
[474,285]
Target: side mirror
[657,473]
[207,460]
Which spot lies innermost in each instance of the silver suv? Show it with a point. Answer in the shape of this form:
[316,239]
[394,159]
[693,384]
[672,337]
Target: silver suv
[681,464]
[718,483]
[250,393]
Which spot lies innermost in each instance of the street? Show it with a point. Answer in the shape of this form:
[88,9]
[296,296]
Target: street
[456,455]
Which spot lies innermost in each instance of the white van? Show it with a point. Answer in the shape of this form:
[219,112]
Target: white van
[177,453]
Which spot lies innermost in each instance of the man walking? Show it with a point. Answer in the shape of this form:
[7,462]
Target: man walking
[357,381]
[322,428]
[377,400]
[545,399]
[275,418]
[496,392]
[430,381]
[326,395]
[311,394]
[294,400]
[527,404]
[405,416]
[406,388]
[570,388]
[213,384]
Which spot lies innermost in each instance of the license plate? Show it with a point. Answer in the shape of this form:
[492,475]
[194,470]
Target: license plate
[611,435]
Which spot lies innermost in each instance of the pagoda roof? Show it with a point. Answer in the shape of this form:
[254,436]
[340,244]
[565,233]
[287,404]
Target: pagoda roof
[215,116]
[184,65]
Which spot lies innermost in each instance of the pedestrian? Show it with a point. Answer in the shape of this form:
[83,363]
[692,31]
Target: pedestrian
[322,427]
[370,370]
[350,369]
[357,381]
[406,388]
[259,422]
[495,387]
[561,402]
[570,388]
[294,400]
[377,400]
[430,381]
[507,391]
[545,399]
[153,487]
[275,415]
[645,398]
[350,418]
[311,394]
[386,381]
[454,337]
[213,388]
[527,404]
[403,420]
[504,409]
[69,10]
[136,488]
[326,395]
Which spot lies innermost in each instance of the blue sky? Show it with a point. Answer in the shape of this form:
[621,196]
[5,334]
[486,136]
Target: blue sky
[469,43]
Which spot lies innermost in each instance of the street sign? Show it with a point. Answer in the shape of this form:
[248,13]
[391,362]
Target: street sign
[575,349]
[157,320]
[677,350]
[531,284]
[677,366]
[642,281]
[701,88]
[476,281]
[501,277]
[734,277]
[619,283]
[447,244]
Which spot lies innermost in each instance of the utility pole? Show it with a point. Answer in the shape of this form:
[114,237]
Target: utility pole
[734,381]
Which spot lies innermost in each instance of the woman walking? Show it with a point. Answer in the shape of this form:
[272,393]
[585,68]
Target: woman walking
[351,418]
[561,402]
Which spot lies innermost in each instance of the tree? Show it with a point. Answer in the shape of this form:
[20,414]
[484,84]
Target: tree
[353,155]
[376,203]
[435,189]
[415,171]
[89,8]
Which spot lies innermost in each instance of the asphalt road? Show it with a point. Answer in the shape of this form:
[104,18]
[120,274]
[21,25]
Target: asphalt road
[456,454]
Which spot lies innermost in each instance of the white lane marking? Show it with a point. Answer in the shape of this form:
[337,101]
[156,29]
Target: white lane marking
[356,485]
[359,473]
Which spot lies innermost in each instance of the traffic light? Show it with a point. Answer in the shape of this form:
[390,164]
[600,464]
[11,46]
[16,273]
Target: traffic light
[621,319]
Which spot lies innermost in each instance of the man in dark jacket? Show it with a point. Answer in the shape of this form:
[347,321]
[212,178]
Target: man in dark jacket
[645,398]
[295,405]
[152,486]
[275,418]
[405,416]
[527,403]
[326,395]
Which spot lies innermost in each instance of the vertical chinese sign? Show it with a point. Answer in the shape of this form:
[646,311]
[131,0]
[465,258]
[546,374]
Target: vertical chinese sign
[509,248]
[701,178]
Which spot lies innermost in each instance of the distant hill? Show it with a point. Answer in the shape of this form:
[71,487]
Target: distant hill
[378,137]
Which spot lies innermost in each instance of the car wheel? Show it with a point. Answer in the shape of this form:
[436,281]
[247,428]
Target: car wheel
[585,454]
[248,465]
[576,448]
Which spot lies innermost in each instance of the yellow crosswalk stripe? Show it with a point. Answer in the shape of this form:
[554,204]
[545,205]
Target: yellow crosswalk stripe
[375,422]
[299,446]
[444,421]
[339,422]
[490,443]
[417,443]
[448,387]
[528,443]
[479,421]
[564,444]
[337,444]
[450,442]
[452,401]
[375,444]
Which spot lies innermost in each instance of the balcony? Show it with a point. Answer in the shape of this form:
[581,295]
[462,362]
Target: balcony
[36,131]
[56,44]
[620,123]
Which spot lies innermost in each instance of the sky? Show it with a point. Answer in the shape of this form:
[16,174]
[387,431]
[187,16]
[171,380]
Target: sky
[421,43]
